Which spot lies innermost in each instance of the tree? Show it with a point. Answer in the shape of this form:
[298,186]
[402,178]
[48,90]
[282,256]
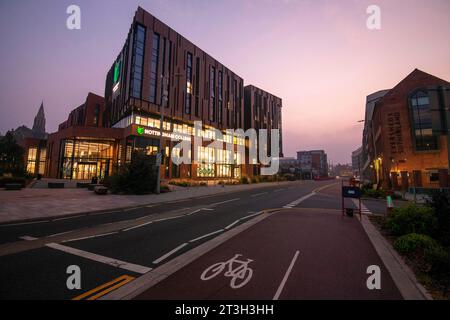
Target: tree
[136,177]
[11,156]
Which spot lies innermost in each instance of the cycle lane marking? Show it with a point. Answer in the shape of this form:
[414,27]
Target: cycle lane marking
[286,276]
[242,272]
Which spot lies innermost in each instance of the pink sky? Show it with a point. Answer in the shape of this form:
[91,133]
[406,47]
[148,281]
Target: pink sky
[317,55]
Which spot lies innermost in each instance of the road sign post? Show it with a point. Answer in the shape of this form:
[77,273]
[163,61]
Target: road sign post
[351,192]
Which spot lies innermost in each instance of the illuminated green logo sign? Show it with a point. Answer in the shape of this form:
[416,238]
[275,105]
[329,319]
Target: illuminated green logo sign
[140,130]
[116,72]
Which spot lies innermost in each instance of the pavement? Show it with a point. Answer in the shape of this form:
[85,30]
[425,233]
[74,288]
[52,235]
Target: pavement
[121,253]
[41,203]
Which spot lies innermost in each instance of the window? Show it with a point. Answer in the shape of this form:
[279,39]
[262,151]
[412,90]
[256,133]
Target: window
[197,86]
[212,96]
[154,68]
[434,176]
[188,98]
[422,124]
[137,62]
[31,163]
[42,159]
[220,96]
[96,114]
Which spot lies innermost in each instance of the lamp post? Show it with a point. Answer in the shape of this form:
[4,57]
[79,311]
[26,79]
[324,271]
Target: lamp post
[165,99]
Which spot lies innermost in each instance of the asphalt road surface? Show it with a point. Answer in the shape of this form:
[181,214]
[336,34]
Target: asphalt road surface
[114,248]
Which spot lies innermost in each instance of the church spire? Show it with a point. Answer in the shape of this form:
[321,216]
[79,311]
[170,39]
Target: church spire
[39,122]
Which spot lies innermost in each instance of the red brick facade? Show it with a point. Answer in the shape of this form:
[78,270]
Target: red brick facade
[399,165]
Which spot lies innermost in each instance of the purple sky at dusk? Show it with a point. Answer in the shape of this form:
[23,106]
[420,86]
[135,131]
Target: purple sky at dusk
[317,55]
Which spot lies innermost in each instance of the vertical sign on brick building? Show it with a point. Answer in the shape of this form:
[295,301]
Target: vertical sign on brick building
[395,133]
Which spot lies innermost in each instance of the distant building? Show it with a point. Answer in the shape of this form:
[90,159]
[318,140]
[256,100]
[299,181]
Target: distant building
[342,170]
[367,174]
[314,164]
[357,162]
[34,141]
[290,165]
[38,132]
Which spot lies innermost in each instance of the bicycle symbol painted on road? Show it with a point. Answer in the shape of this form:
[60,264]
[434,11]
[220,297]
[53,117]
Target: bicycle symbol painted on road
[238,270]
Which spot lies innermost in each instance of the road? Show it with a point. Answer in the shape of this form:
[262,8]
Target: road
[115,248]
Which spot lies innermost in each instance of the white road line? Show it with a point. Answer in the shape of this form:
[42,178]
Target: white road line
[138,226]
[233,224]
[206,236]
[193,212]
[239,220]
[166,219]
[59,234]
[258,194]
[91,237]
[223,202]
[286,276]
[297,202]
[252,215]
[207,209]
[279,190]
[102,259]
[168,254]
[28,238]
[363,207]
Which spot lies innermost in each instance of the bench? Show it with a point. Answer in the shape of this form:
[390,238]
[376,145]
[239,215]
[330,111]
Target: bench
[56,185]
[13,186]
[83,185]
[101,190]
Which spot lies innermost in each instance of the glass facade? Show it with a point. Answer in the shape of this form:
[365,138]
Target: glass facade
[212,96]
[188,102]
[422,124]
[154,68]
[83,159]
[137,62]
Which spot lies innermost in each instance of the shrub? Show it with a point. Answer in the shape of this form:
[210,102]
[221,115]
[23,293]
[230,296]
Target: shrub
[136,177]
[244,180]
[439,259]
[411,219]
[164,189]
[371,193]
[413,243]
[221,183]
[441,206]
[254,180]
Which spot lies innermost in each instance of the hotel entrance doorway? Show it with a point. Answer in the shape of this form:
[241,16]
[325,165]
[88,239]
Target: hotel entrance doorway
[85,171]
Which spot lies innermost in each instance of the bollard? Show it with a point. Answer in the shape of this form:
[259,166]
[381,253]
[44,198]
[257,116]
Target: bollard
[390,204]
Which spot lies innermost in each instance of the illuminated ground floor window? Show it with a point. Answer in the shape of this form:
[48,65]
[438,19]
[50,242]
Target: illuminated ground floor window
[206,170]
[86,159]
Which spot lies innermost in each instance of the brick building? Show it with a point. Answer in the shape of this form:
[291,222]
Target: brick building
[406,152]
[158,87]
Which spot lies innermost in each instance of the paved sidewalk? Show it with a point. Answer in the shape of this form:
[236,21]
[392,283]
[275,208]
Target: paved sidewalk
[29,204]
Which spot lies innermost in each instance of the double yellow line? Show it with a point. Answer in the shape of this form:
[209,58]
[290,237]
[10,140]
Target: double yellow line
[100,291]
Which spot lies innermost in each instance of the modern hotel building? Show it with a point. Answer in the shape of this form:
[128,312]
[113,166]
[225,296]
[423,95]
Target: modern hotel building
[158,75]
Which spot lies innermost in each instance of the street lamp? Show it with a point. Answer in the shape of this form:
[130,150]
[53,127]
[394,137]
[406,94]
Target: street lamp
[165,99]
